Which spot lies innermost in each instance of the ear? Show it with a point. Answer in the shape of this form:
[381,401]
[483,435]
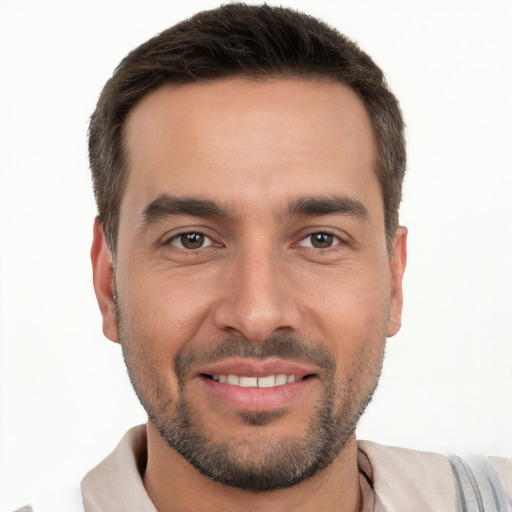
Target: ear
[103,279]
[397,267]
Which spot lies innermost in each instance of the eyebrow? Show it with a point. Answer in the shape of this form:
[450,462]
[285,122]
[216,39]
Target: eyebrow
[165,206]
[328,205]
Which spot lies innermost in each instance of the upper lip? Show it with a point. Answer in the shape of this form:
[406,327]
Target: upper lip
[257,368]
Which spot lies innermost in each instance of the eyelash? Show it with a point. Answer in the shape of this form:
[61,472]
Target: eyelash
[177,240]
[180,236]
[335,240]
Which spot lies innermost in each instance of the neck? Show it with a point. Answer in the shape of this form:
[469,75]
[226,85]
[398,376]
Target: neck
[176,486]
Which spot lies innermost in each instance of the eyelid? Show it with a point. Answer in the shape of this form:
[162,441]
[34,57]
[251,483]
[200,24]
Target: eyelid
[177,238]
[171,239]
[336,239]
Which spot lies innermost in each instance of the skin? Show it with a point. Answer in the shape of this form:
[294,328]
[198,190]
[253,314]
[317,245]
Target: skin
[253,147]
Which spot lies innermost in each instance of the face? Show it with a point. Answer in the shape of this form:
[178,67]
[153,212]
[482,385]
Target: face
[254,287]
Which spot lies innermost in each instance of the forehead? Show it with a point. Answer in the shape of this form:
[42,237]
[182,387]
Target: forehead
[241,140]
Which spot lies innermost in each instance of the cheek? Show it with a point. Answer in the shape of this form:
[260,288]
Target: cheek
[164,308]
[352,320]
[353,310]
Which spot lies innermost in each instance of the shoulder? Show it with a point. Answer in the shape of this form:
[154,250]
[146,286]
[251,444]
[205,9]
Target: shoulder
[503,467]
[116,482]
[402,477]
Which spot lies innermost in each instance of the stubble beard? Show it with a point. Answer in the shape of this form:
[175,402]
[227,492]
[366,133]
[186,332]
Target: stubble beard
[252,463]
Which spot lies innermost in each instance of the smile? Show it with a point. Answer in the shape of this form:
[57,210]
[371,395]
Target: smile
[253,388]
[268,381]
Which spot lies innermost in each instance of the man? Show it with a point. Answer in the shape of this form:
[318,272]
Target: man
[247,256]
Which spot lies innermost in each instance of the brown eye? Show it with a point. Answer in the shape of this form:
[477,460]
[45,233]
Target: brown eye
[191,241]
[320,241]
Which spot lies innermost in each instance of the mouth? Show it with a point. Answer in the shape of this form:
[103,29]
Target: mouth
[267,381]
[252,385]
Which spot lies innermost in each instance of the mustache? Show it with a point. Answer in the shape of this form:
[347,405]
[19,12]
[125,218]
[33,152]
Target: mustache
[278,346]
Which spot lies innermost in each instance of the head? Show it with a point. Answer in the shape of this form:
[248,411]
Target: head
[250,41]
[247,166]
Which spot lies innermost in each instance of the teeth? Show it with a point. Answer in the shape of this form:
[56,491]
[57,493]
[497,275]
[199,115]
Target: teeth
[233,379]
[248,382]
[282,379]
[269,381]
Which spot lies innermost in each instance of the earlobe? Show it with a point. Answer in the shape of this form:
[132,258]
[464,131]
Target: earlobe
[398,262]
[103,280]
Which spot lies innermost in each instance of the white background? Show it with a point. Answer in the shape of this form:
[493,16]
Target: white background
[65,399]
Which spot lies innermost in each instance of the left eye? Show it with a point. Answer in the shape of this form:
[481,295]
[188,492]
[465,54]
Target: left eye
[191,241]
[319,241]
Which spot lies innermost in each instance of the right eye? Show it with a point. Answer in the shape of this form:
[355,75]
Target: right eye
[191,241]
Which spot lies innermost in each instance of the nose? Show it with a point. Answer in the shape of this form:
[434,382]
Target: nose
[258,298]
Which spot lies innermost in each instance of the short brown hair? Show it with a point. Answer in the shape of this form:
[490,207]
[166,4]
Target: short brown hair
[247,40]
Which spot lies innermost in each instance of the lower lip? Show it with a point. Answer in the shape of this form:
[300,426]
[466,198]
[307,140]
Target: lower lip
[257,399]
